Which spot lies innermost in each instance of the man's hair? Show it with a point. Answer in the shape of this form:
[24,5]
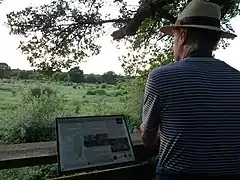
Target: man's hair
[202,40]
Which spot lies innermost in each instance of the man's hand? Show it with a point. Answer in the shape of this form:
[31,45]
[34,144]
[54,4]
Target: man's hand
[141,129]
[150,138]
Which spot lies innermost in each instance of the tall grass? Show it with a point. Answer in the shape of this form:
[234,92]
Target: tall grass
[37,105]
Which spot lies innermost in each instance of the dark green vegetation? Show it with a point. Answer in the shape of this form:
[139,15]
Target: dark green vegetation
[29,105]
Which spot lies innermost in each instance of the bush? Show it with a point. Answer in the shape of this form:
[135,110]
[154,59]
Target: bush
[118,87]
[135,91]
[103,86]
[89,92]
[119,93]
[37,92]
[100,92]
[60,76]
[13,93]
[35,117]
[124,92]
[68,84]
[74,86]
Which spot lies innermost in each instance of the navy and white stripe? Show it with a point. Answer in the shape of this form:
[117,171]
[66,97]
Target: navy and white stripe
[196,105]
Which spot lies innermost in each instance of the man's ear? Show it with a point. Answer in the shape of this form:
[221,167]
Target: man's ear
[183,36]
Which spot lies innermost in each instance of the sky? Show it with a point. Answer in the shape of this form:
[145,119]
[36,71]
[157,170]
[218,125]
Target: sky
[107,60]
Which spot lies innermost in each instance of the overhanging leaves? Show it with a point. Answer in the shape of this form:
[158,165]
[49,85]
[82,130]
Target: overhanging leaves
[64,32]
[59,34]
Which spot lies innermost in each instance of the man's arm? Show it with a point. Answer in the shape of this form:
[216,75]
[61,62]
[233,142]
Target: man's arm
[150,115]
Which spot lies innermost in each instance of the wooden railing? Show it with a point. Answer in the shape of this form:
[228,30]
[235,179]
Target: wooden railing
[31,154]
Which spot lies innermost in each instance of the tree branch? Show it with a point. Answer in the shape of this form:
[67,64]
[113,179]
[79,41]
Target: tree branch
[147,10]
[144,11]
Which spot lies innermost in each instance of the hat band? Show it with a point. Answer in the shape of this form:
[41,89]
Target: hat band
[199,20]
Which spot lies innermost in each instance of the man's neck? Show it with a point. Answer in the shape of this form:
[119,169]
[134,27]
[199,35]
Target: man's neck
[200,53]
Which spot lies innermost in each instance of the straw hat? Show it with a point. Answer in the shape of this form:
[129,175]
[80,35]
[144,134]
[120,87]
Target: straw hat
[199,14]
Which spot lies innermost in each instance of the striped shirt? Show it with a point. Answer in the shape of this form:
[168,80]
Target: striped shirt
[195,103]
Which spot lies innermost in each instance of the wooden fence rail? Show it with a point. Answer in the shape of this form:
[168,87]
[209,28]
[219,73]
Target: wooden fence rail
[31,154]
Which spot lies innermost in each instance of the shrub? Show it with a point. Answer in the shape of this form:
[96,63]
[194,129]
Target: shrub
[77,109]
[74,86]
[68,84]
[118,93]
[124,92]
[100,92]
[134,101]
[35,117]
[89,92]
[118,87]
[37,92]
[13,93]
[103,86]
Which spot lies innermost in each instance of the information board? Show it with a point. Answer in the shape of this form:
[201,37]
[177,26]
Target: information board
[85,142]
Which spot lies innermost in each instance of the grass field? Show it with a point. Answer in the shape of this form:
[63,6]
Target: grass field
[27,114]
[11,92]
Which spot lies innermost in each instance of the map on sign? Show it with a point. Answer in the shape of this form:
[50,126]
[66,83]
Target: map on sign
[85,142]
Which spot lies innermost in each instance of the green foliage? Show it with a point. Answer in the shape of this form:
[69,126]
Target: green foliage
[30,173]
[36,76]
[89,92]
[66,45]
[104,85]
[92,79]
[38,92]
[118,93]
[34,118]
[30,117]
[24,74]
[134,101]
[5,70]
[109,77]
[22,174]
[61,76]
[76,75]
[61,34]
[75,86]
[100,92]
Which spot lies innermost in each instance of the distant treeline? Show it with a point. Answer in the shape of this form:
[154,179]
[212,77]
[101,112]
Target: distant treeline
[75,75]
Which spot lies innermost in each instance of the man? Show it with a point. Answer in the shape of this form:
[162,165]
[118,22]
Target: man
[194,103]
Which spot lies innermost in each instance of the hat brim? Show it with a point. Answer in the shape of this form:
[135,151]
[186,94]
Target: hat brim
[168,30]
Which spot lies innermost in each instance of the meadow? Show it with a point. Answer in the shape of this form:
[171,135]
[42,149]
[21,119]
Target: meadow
[29,108]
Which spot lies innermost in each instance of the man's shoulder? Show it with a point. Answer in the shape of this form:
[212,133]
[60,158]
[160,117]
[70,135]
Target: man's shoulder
[167,68]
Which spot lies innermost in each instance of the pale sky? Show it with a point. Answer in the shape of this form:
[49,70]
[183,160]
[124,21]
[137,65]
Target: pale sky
[108,58]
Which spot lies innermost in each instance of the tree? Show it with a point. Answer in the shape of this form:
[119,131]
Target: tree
[91,78]
[109,77]
[62,33]
[76,75]
[37,75]
[24,74]
[5,70]
[61,76]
